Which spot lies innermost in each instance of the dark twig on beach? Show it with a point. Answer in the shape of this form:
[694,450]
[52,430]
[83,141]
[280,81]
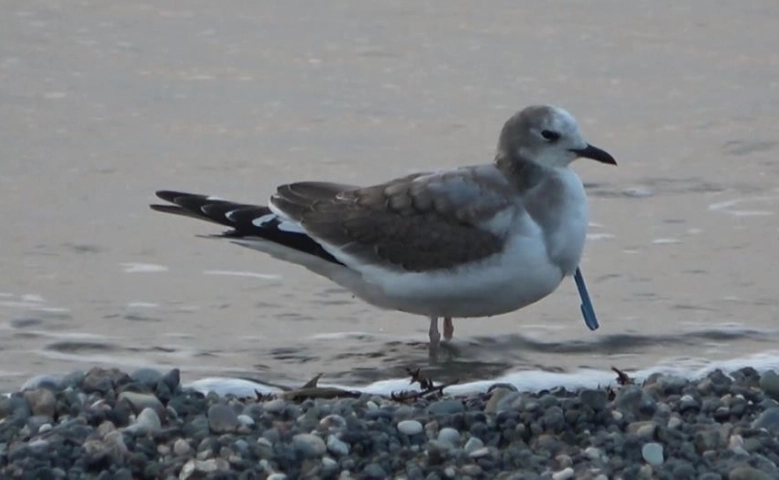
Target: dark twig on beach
[309,390]
[313,382]
[429,388]
[263,397]
[622,377]
[417,377]
[319,392]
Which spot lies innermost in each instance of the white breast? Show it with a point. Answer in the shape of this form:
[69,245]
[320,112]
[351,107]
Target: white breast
[566,239]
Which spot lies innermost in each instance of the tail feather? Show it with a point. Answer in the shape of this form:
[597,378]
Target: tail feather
[246,221]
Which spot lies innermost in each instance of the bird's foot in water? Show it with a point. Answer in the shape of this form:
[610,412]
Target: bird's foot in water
[448,328]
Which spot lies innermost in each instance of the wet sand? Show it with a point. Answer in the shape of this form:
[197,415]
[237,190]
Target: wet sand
[101,104]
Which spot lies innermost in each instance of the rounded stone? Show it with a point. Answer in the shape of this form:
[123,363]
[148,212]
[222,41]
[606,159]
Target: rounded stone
[768,420]
[222,419]
[38,444]
[15,405]
[309,445]
[264,448]
[688,402]
[139,401]
[146,422]
[410,427]
[708,440]
[275,405]
[709,476]
[41,381]
[272,435]
[42,401]
[472,470]
[181,447]
[333,422]
[449,435]
[374,470]
[746,472]
[473,444]
[432,428]
[554,419]
[595,399]
[646,430]
[674,423]
[653,453]
[246,420]
[172,379]
[336,446]
[147,377]
[438,447]
[446,407]
[593,453]
[628,397]
[769,383]
[496,396]
[480,452]
[671,384]
[564,474]
[102,380]
[241,445]
[105,428]
[564,461]
[212,465]
[72,380]
[118,450]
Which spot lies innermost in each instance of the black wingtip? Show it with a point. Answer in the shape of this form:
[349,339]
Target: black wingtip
[240,218]
[175,210]
[179,201]
[171,195]
[165,208]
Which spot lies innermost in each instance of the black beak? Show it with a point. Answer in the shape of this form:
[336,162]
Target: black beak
[595,153]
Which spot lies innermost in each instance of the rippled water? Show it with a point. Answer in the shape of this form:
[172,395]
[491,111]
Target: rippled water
[101,104]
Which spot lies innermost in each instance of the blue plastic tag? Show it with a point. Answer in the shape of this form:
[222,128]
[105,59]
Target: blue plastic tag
[587,311]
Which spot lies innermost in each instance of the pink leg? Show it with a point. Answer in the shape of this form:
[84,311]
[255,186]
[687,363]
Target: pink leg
[448,328]
[435,336]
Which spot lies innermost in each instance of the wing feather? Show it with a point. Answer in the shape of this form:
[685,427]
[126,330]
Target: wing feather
[416,223]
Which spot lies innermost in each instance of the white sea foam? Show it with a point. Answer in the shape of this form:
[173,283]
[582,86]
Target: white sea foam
[599,236]
[525,381]
[343,335]
[727,206]
[665,241]
[264,276]
[29,301]
[142,305]
[32,298]
[131,267]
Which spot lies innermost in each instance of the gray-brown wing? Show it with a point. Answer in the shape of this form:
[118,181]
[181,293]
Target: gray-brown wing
[415,223]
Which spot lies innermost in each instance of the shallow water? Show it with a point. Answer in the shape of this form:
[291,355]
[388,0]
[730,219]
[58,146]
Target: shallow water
[103,103]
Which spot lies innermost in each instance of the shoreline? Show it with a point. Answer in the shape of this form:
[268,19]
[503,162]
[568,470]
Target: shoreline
[107,423]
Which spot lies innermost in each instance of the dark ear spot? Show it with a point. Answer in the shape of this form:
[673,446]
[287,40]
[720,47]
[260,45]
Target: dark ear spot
[550,136]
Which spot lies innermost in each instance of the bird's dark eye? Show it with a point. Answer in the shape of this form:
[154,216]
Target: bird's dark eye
[550,135]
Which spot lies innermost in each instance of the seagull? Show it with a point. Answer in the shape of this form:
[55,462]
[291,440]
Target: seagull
[466,242]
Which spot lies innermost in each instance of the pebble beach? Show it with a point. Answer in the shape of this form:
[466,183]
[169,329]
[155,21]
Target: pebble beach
[110,424]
